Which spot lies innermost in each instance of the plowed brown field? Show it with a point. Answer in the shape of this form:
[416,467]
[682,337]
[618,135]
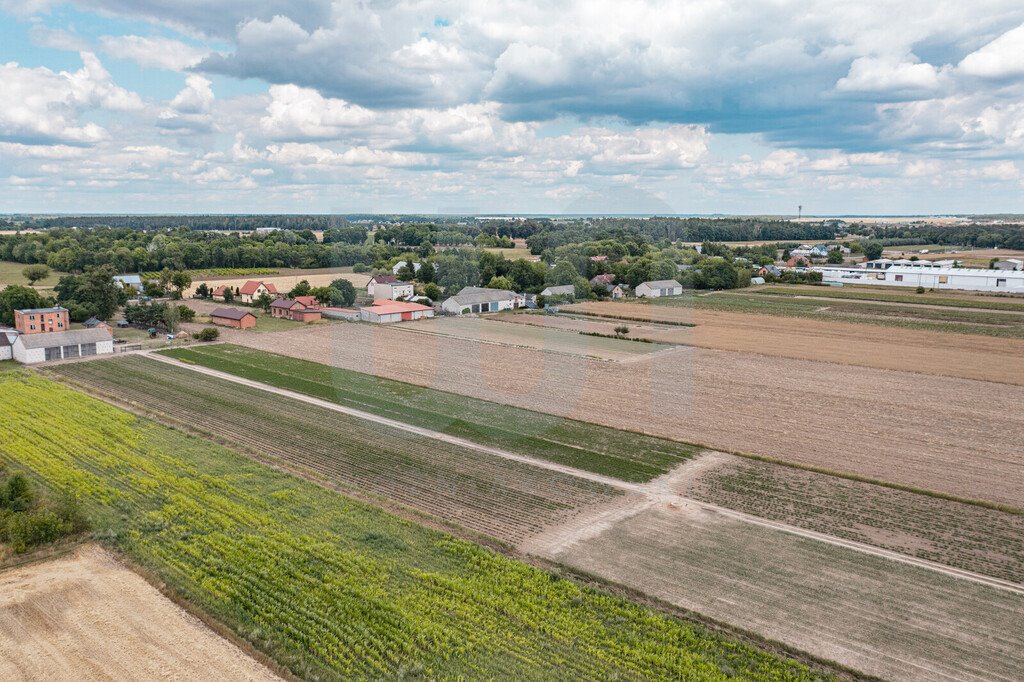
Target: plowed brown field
[953,435]
[87,617]
[910,350]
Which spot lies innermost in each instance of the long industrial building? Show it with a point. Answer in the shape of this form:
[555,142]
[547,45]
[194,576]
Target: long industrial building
[966,279]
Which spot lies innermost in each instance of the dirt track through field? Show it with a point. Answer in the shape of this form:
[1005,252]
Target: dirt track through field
[660,490]
[957,436]
[86,616]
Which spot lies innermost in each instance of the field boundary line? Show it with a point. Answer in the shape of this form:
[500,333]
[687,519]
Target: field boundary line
[650,489]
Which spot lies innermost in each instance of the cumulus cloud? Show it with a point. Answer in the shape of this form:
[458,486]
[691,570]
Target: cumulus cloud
[896,79]
[151,52]
[295,112]
[1001,58]
[190,109]
[40,106]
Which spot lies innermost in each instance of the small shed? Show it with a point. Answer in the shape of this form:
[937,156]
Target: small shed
[233,317]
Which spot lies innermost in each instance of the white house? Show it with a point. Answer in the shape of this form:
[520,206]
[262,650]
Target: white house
[966,279]
[567,290]
[32,348]
[383,312]
[393,291]
[658,288]
[402,263]
[253,289]
[480,300]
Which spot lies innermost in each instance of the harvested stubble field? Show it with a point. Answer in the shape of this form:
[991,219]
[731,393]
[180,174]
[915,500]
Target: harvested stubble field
[333,589]
[965,536]
[945,298]
[86,616]
[582,445]
[284,282]
[501,498]
[894,426]
[881,617]
[494,331]
[848,343]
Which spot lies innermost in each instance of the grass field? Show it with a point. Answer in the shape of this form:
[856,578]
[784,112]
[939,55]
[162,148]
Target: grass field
[620,454]
[888,619]
[984,541]
[335,589]
[10,273]
[500,498]
[86,616]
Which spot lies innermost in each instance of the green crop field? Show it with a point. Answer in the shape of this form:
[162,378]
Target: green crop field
[218,272]
[501,498]
[10,273]
[331,588]
[602,450]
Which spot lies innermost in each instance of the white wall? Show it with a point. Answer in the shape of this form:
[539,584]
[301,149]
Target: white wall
[963,279]
[6,353]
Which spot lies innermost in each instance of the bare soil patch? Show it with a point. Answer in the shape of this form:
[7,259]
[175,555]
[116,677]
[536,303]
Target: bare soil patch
[910,350]
[86,616]
[883,618]
[894,426]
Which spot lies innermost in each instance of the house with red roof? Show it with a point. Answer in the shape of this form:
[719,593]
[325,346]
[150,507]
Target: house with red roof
[294,309]
[384,311]
[253,289]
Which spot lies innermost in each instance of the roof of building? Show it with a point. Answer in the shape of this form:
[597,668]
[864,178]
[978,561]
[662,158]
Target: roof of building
[562,289]
[598,258]
[308,301]
[37,311]
[230,313]
[128,279]
[252,285]
[471,295]
[602,279]
[385,279]
[68,338]
[92,322]
[661,284]
[392,307]
[219,291]
[4,341]
[285,303]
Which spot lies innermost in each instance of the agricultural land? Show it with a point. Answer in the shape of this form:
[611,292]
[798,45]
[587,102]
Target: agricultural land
[331,588]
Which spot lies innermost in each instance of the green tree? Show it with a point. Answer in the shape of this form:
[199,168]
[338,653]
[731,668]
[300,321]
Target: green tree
[264,300]
[835,256]
[186,314]
[229,295]
[346,289]
[203,291]
[501,283]
[432,291]
[34,273]
[563,273]
[181,280]
[303,288]
[172,317]
[16,297]
[873,250]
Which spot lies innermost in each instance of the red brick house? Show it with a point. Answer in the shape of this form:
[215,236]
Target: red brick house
[294,309]
[39,320]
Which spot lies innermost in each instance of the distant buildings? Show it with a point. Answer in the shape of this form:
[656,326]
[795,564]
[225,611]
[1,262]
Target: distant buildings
[928,276]
[563,291]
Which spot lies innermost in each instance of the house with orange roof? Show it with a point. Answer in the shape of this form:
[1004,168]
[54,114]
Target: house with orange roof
[253,289]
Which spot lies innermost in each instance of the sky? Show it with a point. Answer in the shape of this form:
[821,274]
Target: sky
[889,107]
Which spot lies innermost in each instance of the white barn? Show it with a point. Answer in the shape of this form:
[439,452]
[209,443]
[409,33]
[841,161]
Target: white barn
[965,279]
[76,343]
[658,288]
[481,300]
[6,352]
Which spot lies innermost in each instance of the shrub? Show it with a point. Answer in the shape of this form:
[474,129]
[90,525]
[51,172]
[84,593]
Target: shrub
[920,290]
[33,528]
[206,334]
[186,314]
[360,268]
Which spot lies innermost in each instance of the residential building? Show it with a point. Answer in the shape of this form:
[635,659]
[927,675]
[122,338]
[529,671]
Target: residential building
[966,279]
[386,311]
[563,291]
[308,301]
[253,289]
[77,343]
[133,282]
[402,263]
[658,288]
[294,309]
[41,320]
[602,280]
[393,291]
[480,300]
[233,317]
[798,262]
